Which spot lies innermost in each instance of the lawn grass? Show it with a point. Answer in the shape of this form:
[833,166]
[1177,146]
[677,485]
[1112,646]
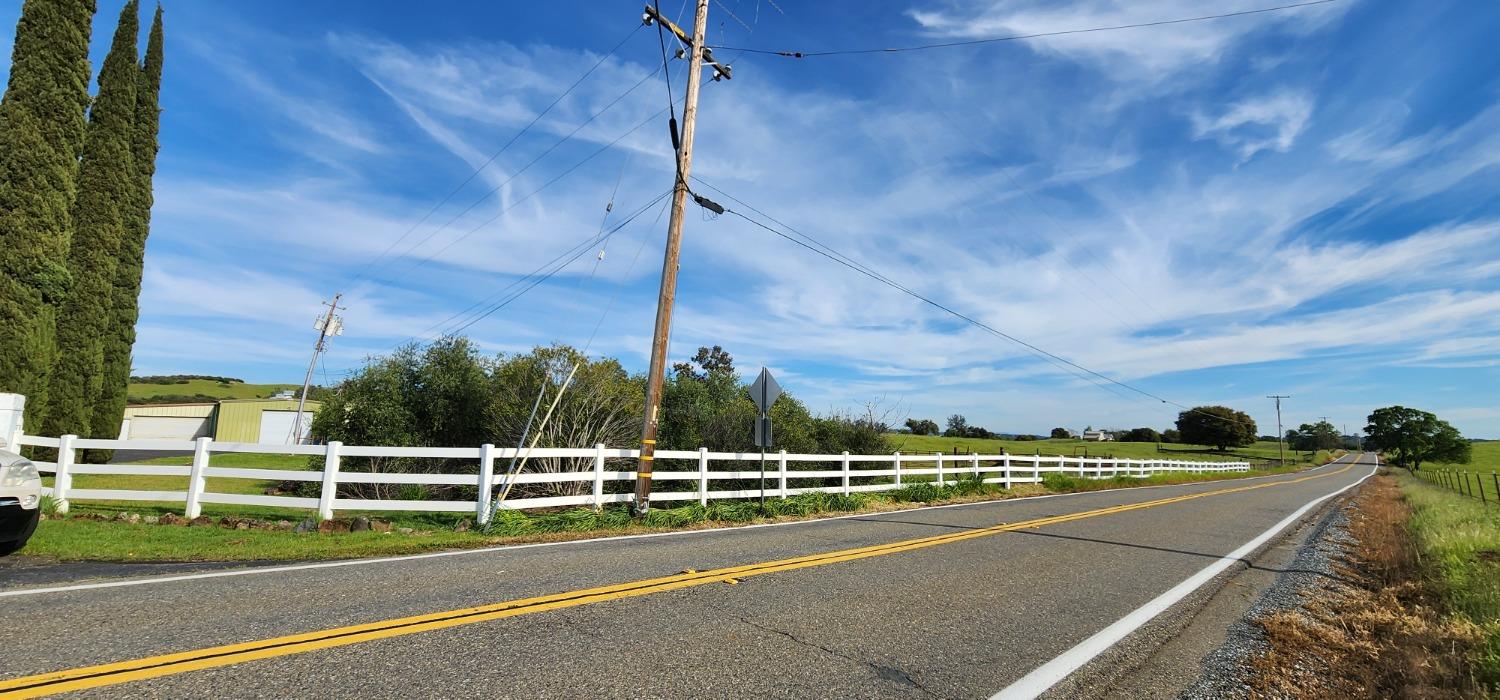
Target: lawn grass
[1459,543]
[928,444]
[74,538]
[206,387]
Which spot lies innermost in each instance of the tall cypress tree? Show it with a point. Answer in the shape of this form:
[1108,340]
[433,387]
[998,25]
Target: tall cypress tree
[125,308]
[106,197]
[41,139]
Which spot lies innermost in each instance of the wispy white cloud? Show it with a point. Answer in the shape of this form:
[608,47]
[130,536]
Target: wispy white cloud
[1269,122]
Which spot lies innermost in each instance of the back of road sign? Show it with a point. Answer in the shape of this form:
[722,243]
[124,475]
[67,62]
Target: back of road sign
[765,391]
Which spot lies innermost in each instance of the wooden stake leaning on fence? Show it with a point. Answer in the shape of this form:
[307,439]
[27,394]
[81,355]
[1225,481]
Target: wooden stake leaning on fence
[510,474]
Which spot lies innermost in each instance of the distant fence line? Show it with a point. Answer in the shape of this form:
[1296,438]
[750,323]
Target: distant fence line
[1477,485]
[839,475]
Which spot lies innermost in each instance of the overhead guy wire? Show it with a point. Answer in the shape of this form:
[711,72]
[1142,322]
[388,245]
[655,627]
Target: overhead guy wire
[475,173]
[518,173]
[1047,355]
[1019,37]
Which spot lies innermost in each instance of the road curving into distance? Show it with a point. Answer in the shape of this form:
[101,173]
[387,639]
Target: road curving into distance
[1006,597]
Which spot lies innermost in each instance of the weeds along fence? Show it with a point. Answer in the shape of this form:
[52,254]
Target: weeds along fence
[602,475]
[1482,486]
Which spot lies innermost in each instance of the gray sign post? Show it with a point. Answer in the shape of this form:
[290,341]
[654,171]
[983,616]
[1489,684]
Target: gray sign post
[763,391]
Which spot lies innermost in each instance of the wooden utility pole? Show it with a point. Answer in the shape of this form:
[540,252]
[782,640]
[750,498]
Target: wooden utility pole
[1280,436]
[327,326]
[656,374]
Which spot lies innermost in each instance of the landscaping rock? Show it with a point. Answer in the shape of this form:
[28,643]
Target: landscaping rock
[172,519]
[333,526]
[283,524]
[463,526]
[151,519]
[306,526]
[405,530]
[200,521]
[381,526]
[360,524]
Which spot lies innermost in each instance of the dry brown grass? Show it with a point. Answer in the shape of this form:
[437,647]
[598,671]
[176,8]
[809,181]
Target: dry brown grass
[1376,631]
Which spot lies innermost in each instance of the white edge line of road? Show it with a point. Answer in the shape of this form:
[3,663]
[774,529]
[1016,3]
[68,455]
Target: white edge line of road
[533,545]
[1049,674]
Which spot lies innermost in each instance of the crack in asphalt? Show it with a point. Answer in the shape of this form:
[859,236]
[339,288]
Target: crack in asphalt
[886,673]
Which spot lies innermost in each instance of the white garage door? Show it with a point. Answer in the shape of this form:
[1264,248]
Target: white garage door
[276,427]
[167,428]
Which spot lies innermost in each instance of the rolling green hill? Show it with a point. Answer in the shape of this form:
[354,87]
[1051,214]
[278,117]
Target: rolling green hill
[195,390]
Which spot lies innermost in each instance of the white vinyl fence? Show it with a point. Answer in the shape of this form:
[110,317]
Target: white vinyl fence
[836,473]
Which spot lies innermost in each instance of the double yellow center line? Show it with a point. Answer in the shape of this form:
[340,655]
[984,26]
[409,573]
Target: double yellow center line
[211,657]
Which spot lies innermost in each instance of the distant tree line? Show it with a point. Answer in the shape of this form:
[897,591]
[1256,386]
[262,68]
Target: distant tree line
[182,379]
[75,211]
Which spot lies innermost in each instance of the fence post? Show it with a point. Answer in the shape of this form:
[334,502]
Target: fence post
[330,480]
[940,469]
[486,483]
[598,476]
[975,460]
[781,471]
[846,472]
[196,482]
[896,459]
[63,481]
[1005,469]
[1036,469]
[703,476]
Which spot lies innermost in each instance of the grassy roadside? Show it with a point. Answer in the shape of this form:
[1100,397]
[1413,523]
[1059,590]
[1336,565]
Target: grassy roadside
[87,535]
[1376,625]
[1458,543]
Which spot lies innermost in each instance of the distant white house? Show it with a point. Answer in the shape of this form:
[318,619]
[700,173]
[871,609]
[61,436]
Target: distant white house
[1097,436]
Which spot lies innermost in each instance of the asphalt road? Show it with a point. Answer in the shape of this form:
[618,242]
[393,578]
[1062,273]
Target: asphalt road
[936,602]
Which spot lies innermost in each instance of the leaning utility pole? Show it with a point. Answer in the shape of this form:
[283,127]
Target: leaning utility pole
[328,325]
[1280,436]
[656,374]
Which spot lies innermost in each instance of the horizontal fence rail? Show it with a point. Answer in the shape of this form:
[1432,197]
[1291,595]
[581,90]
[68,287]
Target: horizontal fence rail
[786,474]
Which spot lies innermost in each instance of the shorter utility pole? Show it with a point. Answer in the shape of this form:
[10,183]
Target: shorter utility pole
[1280,436]
[329,324]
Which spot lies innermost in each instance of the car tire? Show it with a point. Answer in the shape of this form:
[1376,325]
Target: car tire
[12,546]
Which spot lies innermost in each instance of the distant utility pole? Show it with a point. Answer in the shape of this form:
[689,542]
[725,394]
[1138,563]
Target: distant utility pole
[329,324]
[1280,436]
[656,374]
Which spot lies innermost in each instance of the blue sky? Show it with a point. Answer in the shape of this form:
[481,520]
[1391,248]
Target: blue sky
[1297,203]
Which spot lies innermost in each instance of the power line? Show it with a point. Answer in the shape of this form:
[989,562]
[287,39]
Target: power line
[470,315]
[828,252]
[475,173]
[1018,37]
[523,169]
[529,195]
[548,275]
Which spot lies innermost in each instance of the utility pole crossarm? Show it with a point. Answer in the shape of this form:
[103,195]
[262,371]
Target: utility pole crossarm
[328,325]
[1280,436]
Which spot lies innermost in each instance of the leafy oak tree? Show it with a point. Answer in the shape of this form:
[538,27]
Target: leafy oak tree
[1411,437]
[1220,426]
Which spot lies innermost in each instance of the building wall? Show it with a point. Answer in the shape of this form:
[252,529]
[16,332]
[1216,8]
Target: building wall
[173,410]
[239,420]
